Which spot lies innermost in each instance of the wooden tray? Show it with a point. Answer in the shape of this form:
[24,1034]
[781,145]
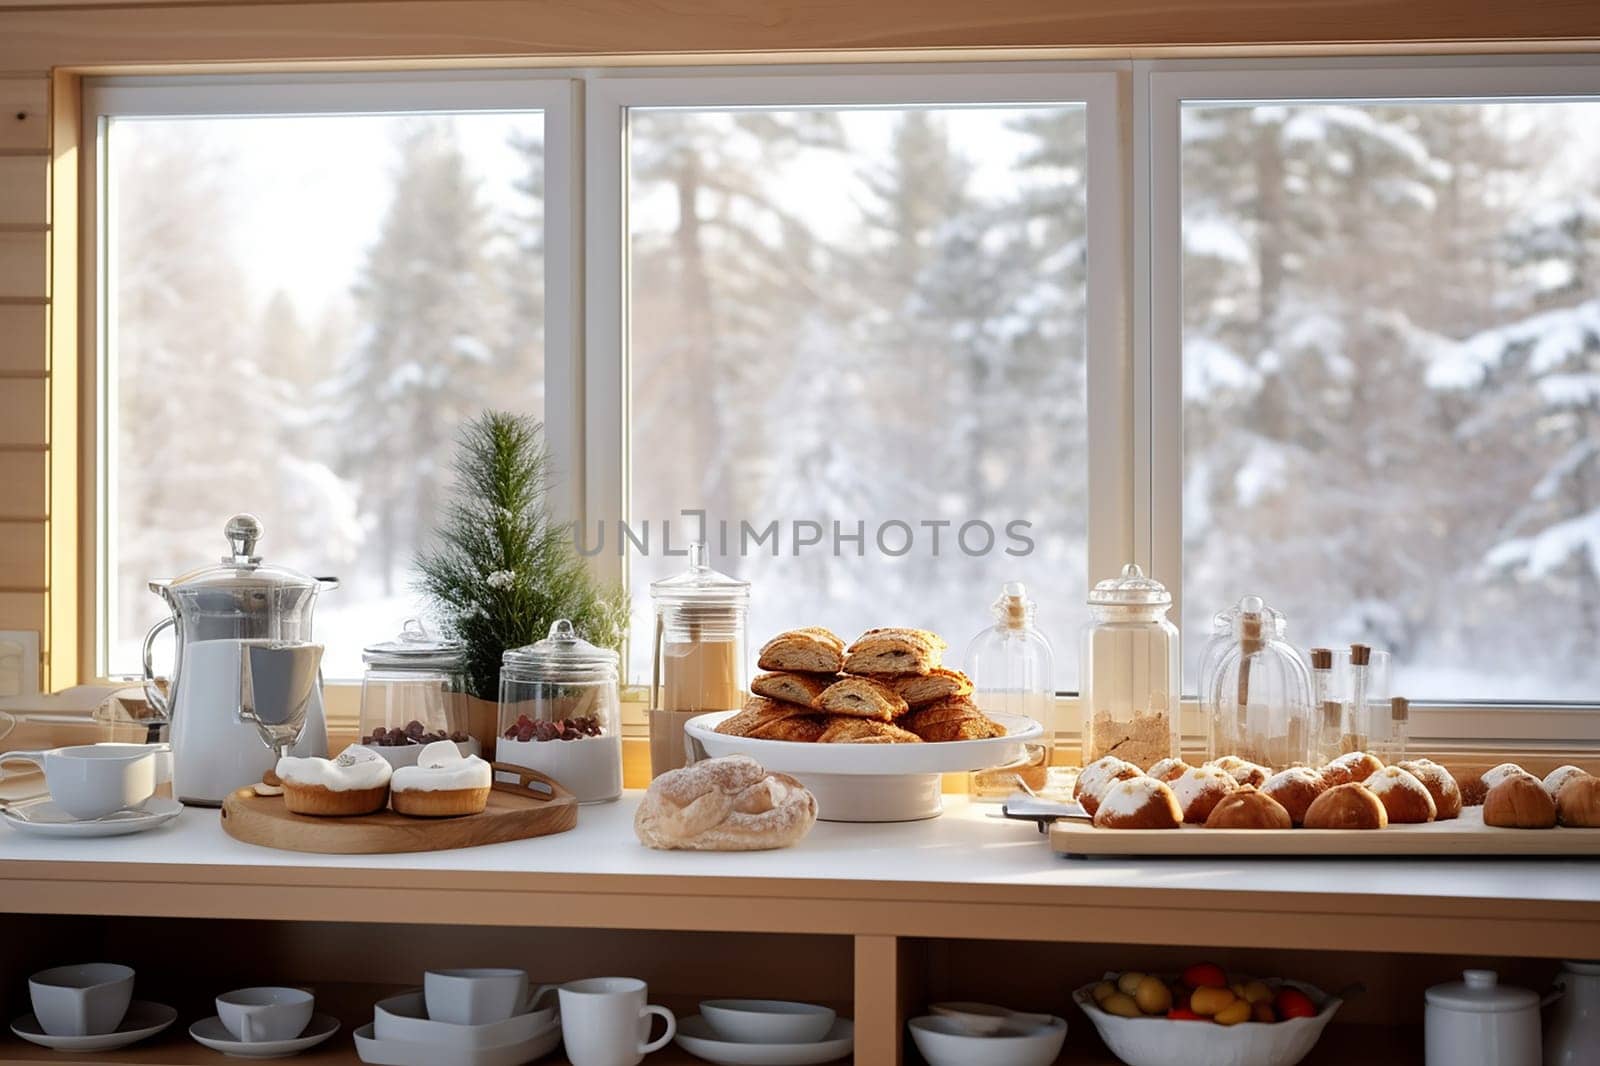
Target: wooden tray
[1463,837]
[515,812]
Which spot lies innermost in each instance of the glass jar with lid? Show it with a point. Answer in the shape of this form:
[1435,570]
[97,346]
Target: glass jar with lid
[561,713]
[1012,669]
[412,695]
[1130,672]
[698,659]
[1258,694]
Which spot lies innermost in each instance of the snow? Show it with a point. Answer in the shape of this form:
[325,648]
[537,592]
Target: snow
[1552,338]
[1216,238]
[1209,367]
[1569,390]
[1546,552]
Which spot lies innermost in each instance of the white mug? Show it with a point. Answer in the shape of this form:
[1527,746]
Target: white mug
[84,1000]
[605,1021]
[479,996]
[257,1015]
[93,780]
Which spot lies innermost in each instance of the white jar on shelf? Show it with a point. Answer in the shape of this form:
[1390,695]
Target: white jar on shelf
[561,713]
[1130,672]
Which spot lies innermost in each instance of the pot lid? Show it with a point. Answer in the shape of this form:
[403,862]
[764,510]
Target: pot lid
[415,646]
[242,570]
[1481,991]
[1130,589]
[562,656]
[700,584]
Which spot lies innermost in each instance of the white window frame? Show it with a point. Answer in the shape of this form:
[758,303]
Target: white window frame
[1101,88]
[1167,86]
[108,99]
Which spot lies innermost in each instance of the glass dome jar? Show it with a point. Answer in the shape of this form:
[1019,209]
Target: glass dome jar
[698,660]
[1258,695]
[412,694]
[1013,671]
[1130,672]
[561,713]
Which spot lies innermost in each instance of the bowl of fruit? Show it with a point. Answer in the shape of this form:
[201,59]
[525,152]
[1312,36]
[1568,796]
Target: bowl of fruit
[1205,1017]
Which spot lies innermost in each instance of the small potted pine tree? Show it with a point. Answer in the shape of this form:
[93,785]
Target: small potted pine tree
[500,570]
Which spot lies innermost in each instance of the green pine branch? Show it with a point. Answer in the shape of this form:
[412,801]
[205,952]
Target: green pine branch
[500,571]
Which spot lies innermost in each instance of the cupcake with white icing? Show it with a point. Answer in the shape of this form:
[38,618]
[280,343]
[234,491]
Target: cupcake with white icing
[442,784]
[356,781]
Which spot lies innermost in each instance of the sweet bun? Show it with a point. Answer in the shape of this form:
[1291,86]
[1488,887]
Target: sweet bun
[813,650]
[1099,776]
[1348,806]
[1441,785]
[356,781]
[1138,803]
[1406,799]
[894,650]
[1578,802]
[1497,774]
[726,804]
[862,697]
[1295,789]
[1243,771]
[1169,770]
[791,687]
[1248,808]
[442,784]
[1519,801]
[1201,789]
[1555,779]
[1354,766]
[953,718]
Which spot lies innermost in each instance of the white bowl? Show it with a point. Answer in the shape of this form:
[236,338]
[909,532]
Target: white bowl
[404,1019]
[984,1019]
[766,1021]
[695,1037]
[946,1041]
[1163,1041]
[403,1053]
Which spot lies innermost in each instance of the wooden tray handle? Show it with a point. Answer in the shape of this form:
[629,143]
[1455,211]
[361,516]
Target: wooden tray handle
[529,784]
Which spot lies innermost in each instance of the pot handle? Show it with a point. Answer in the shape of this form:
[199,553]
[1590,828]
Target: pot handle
[152,694]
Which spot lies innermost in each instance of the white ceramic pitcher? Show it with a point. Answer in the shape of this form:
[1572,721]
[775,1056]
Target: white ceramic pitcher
[1573,1037]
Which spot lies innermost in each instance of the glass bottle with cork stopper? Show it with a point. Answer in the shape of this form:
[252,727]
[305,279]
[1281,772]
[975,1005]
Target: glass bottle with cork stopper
[1328,712]
[698,663]
[1260,694]
[1130,672]
[1012,669]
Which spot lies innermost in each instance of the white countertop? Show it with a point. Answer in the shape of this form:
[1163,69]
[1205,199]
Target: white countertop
[970,844]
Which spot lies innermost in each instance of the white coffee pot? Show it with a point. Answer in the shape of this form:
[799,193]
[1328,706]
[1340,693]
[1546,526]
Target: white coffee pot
[1573,1037]
[219,612]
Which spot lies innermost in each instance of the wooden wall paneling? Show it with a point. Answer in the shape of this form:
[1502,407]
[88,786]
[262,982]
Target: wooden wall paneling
[23,491]
[22,337]
[37,37]
[22,554]
[24,265]
[69,549]
[24,113]
[22,412]
[22,610]
[24,189]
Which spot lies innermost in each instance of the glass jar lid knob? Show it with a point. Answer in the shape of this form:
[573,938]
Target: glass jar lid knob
[1131,588]
[243,531]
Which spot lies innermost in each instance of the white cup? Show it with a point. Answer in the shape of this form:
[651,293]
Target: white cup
[605,1021]
[93,780]
[84,1000]
[258,1015]
[479,996]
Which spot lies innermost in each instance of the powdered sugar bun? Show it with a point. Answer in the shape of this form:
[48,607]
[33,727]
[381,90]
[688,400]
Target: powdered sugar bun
[1200,790]
[1138,803]
[441,767]
[1494,776]
[1405,798]
[1295,789]
[1560,776]
[353,769]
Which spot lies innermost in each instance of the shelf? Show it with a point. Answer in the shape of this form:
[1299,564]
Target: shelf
[1369,1045]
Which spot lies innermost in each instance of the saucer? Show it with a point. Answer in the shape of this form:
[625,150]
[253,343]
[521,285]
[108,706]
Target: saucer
[142,1020]
[43,818]
[404,1053]
[696,1037]
[214,1035]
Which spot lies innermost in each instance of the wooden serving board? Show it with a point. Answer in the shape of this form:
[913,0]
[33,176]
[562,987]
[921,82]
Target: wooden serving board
[515,812]
[1464,837]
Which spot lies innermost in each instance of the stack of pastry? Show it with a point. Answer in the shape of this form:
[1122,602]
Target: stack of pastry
[888,687]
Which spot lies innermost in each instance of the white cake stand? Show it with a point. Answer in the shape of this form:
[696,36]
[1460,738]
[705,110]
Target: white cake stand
[870,782]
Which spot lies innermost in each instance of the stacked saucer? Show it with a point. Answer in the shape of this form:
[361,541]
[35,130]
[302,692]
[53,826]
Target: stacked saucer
[765,1032]
[89,1007]
[403,1034]
[265,1022]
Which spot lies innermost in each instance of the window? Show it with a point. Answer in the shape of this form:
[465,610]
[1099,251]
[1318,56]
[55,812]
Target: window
[1390,334]
[300,310]
[1330,335]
